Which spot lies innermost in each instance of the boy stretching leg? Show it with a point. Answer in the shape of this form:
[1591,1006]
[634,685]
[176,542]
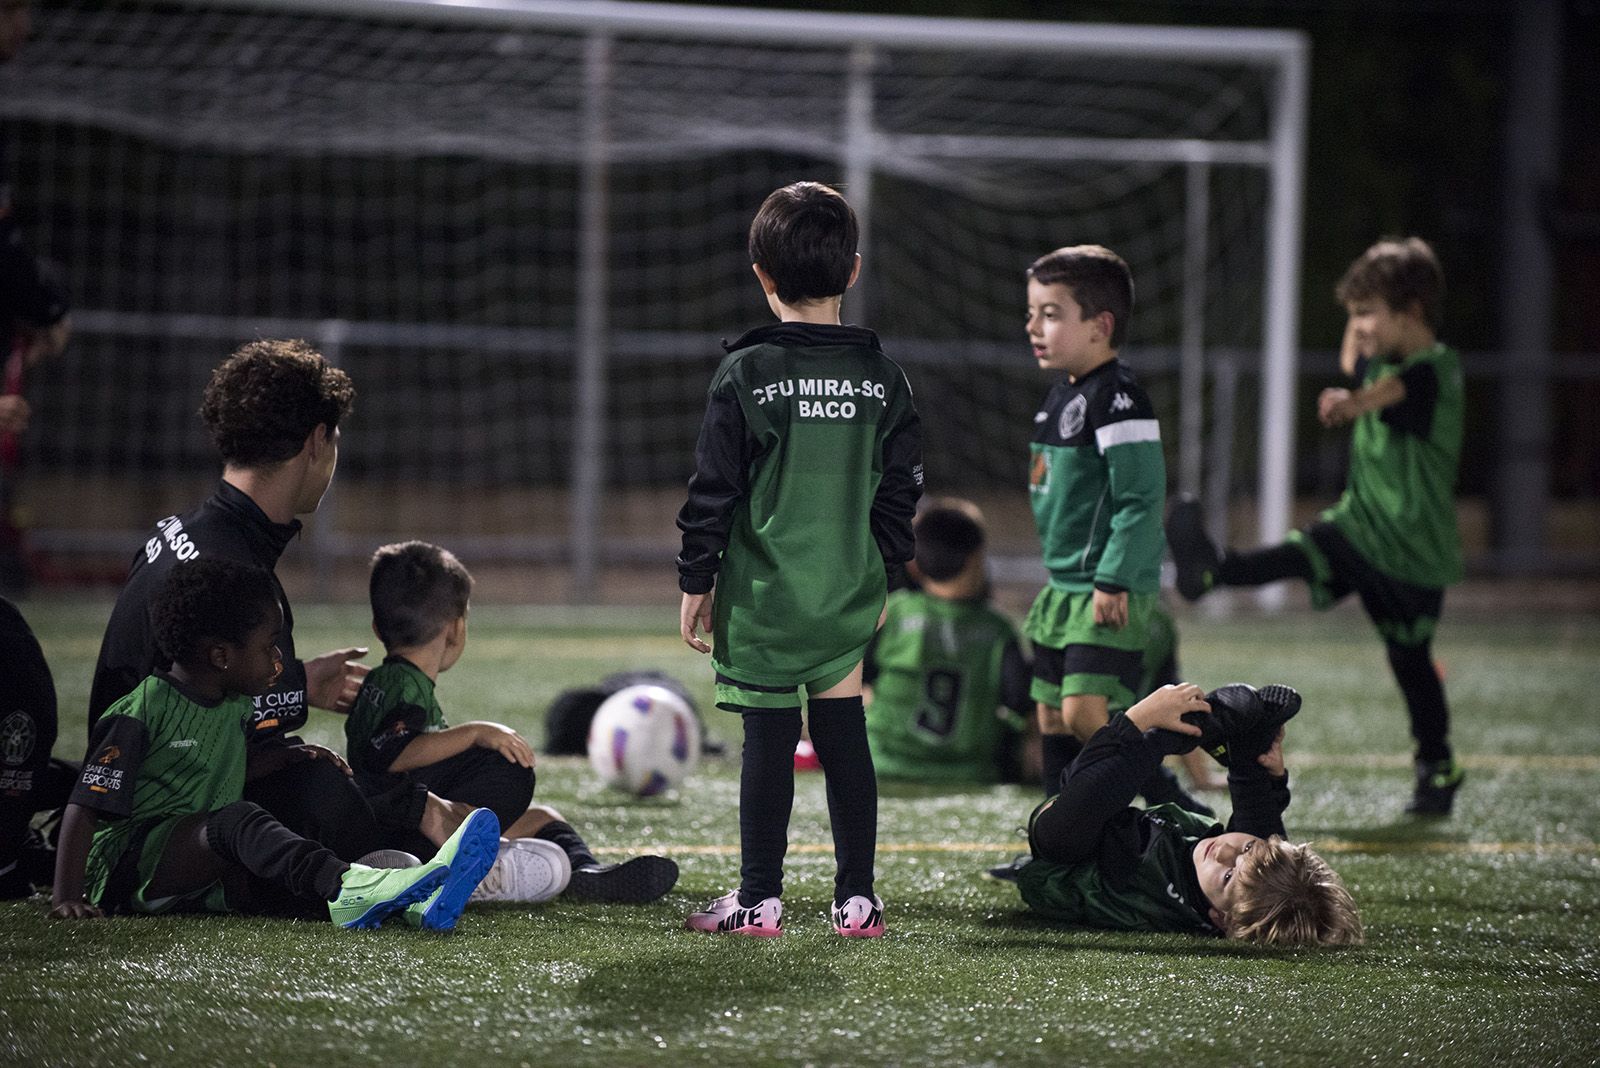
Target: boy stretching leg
[1392,538]
[807,474]
[1099,862]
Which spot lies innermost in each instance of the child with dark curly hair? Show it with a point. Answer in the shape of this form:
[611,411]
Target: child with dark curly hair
[157,822]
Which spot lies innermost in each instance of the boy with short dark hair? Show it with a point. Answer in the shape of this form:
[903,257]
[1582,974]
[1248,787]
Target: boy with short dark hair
[156,822]
[1097,484]
[807,474]
[1391,539]
[397,733]
[1101,863]
[945,665]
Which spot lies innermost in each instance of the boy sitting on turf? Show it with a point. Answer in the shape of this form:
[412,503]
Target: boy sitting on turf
[807,473]
[945,665]
[420,596]
[1391,539]
[156,822]
[1102,863]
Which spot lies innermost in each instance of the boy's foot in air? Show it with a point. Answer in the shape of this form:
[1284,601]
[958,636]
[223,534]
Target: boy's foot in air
[1243,721]
[725,915]
[633,882]
[527,870]
[468,854]
[1437,783]
[1193,553]
[859,917]
[368,896]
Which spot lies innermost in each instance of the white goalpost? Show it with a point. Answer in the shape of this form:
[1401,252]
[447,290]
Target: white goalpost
[519,223]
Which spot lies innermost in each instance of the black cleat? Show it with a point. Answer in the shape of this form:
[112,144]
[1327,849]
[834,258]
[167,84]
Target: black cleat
[1011,870]
[633,882]
[1193,553]
[1437,783]
[1243,721]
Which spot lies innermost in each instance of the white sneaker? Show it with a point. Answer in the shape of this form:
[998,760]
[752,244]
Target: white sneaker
[390,858]
[859,918]
[726,916]
[528,870]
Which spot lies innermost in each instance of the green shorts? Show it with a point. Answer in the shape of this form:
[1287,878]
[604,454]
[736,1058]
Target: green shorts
[127,887]
[736,696]
[1073,656]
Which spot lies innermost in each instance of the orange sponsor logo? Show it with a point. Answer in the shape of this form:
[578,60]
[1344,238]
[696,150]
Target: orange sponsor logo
[108,754]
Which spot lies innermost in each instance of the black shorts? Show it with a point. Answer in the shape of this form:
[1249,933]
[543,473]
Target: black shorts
[1404,614]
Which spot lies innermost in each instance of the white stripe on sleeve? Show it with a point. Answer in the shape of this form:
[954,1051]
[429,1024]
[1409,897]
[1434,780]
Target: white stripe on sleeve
[1127,432]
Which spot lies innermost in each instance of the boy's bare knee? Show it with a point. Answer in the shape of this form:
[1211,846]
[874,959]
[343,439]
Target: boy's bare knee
[1050,719]
[1084,714]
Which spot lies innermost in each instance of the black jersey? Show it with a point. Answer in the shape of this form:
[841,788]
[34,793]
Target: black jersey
[228,525]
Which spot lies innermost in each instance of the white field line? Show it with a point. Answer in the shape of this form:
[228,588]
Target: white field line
[1323,845]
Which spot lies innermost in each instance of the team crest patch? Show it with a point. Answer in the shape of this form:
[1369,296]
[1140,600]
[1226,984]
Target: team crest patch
[17,736]
[1071,422]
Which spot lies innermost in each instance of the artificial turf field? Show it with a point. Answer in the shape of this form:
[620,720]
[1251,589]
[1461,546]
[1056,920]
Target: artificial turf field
[1483,929]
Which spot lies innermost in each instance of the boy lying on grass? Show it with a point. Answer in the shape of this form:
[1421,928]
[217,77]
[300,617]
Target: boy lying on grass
[1099,862]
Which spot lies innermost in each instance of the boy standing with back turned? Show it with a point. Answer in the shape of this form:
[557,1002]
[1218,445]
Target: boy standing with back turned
[1392,538]
[807,474]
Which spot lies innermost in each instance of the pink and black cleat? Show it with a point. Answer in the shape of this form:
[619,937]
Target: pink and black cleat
[859,918]
[726,916]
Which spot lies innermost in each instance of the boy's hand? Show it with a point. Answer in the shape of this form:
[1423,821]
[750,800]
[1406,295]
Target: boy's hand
[1334,407]
[1272,759]
[322,752]
[333,679]
[75,910]
[505,741]
[1110,609]
[695,614]
[1166,707]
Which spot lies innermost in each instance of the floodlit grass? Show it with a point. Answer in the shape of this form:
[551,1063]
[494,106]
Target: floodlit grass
[1483,930]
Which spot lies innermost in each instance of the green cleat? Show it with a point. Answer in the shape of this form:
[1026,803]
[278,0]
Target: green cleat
[467,857]
[368,896]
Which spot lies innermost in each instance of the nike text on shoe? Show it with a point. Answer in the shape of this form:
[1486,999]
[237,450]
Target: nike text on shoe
[726,916]
[633,882]
[1192,551]
[527,870]
[368,896]
[469,854]
[859,918]
[1437,783]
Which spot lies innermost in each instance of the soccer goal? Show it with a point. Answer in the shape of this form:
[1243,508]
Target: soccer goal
[520,224]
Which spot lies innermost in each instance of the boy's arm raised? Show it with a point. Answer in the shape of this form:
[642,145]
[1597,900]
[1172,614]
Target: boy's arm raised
[1259,791]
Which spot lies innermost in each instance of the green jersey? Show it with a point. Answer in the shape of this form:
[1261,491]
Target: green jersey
[1097,483]
[157,753]
[940,672]
[1155,888]
[807,474]
[396,703]
[1398,508]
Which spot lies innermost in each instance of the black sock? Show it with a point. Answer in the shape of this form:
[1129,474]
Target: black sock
[1257,567]
[1424,693]
[1056,754]
[562,834]
[766,798]
[249,836]
[839,735]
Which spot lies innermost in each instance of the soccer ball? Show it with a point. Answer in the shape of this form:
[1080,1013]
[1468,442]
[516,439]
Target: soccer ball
[643,740]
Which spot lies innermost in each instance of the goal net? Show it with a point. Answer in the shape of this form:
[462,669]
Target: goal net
[520,226]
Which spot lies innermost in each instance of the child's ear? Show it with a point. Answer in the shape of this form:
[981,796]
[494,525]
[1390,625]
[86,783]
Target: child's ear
[1105,325]
[768,286]
[217,655]
[1218,920]
[855,272]
[375,633]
